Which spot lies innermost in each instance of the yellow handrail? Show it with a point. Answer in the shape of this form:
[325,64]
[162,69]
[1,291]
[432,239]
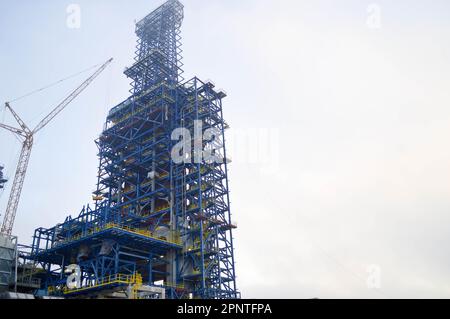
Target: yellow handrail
[143,232]
[108,280]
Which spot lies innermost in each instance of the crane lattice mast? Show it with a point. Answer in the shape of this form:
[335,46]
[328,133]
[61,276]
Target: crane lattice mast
[27,137]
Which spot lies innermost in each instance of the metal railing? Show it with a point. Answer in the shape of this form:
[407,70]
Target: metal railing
[174,237]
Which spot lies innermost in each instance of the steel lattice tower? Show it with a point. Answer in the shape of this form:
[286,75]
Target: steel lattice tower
[157,222]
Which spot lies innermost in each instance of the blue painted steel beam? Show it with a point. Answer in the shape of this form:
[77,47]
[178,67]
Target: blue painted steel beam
[139,186]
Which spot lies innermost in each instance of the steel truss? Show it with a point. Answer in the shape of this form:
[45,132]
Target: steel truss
[168,223]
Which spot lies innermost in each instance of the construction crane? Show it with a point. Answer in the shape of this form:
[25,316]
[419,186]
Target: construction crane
[27,136]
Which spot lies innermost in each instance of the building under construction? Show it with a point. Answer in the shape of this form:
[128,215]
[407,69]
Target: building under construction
[160,226]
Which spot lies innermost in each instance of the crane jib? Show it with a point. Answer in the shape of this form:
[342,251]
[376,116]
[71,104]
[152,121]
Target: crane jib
[24,158]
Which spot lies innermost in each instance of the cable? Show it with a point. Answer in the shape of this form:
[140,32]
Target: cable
[53,84]
[3,114]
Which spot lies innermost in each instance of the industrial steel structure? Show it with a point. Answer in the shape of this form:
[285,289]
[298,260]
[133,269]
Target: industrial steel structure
[161,223]
[2,179]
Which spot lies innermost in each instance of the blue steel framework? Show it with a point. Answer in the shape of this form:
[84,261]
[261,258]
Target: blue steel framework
[2,180]
[169,223]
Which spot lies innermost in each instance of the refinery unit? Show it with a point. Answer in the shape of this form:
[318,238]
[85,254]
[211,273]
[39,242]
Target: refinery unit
[158,228]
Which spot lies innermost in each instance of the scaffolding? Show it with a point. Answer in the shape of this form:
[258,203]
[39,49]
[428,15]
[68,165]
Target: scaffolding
[158,227]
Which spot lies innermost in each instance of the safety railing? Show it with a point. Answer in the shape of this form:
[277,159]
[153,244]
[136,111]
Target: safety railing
[105,281]
[174,237]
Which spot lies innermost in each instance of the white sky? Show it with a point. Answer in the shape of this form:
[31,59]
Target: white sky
[359,116]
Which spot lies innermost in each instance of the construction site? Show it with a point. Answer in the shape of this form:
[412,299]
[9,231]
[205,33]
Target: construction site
[159,225]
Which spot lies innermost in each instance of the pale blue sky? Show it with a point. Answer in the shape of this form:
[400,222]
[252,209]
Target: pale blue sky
[362,118]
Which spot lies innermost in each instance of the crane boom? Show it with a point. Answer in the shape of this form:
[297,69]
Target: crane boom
[70,98]
[13,129]
[24,159]
[22,124]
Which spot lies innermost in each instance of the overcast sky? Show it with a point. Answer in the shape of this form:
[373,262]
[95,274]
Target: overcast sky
[340,116]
